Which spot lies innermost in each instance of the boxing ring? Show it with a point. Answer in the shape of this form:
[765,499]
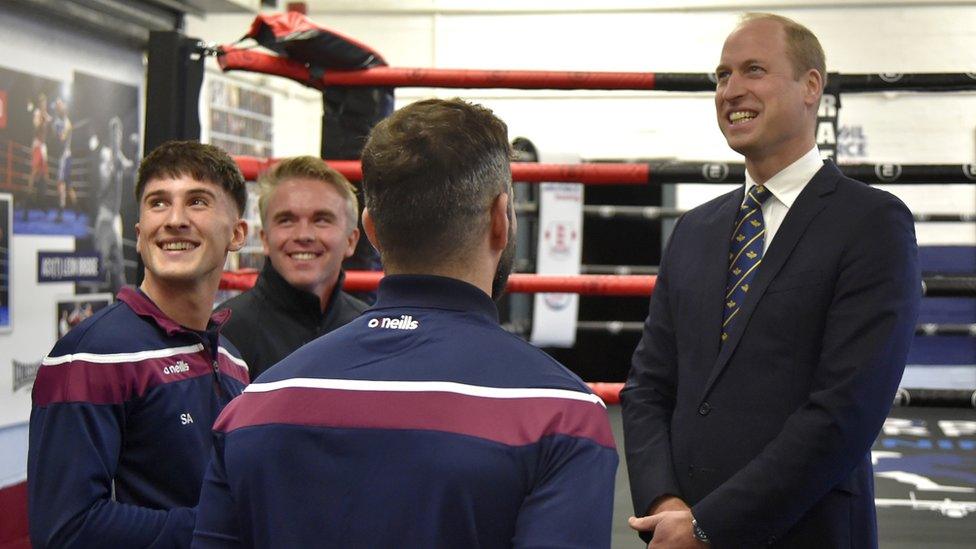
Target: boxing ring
[933,431]
[15,160]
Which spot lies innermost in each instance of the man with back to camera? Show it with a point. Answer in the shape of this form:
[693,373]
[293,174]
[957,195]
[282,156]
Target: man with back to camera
[422,423]
[309,218]
[123,405]
[778,329]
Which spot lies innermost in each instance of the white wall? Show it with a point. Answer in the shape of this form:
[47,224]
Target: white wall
[53,49]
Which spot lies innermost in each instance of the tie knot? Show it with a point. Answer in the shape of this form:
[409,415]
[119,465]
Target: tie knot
[759,193]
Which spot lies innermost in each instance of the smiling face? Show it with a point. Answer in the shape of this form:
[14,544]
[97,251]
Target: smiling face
[185,229]
[766,113]
[307,234]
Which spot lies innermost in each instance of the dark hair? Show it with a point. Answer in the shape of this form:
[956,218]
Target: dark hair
[430,173]
[202,162]
[308,167]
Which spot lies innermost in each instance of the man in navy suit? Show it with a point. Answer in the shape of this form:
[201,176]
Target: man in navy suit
[778,330]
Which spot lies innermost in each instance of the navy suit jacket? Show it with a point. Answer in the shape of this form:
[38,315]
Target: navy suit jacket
[768,435]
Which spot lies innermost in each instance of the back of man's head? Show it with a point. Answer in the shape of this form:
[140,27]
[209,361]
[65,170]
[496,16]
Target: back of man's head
[430,174]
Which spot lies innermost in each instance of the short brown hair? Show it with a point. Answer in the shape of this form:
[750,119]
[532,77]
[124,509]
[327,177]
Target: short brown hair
[802,45]
[308,167]
[202,162]
[430,173]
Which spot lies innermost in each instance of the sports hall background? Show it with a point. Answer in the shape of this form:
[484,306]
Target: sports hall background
[611,35]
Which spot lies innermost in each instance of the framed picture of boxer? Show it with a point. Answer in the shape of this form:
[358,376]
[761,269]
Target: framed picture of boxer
[6,228]
[72,310]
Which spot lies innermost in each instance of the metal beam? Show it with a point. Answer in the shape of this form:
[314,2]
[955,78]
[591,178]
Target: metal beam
[85,17]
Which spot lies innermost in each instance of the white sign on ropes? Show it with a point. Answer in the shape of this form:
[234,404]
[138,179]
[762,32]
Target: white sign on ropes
[559,253]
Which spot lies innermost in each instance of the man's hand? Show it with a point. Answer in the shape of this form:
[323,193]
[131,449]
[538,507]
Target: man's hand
[672,529]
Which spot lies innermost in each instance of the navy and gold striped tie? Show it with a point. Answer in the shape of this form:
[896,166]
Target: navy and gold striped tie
[745,254]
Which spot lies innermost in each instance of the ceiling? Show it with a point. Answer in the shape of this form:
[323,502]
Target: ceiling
[129,20]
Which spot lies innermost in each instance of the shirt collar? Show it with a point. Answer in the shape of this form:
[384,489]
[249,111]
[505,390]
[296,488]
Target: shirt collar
[431,291]
[787,184]
[142,305]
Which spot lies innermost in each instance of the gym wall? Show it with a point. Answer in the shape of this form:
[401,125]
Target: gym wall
[45,48]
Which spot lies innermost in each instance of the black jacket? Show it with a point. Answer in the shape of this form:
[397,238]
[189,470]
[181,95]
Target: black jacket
[273,319]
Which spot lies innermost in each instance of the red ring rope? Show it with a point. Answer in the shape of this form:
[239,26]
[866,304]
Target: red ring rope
[610,285]
[528,172]
[615,285]
[358,281]
[254,61]
[608,391]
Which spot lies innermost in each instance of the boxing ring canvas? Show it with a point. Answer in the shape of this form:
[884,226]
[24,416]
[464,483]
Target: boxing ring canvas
[925,479]
[925,475]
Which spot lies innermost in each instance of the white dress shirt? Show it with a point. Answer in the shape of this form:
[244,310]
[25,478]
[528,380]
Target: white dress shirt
[785,186]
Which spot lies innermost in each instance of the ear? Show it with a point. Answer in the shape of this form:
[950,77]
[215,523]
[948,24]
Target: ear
[240,235]
[351,240]
[813,83]
[138,239]
[500,221]
[370,229]
[265,247]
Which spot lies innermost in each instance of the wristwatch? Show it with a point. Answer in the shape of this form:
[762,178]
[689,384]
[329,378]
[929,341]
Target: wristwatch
[699,534]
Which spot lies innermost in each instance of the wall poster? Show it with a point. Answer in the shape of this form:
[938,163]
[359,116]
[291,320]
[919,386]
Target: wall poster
[69,153]
[73,309]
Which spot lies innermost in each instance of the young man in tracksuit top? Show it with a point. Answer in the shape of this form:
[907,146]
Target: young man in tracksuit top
[123,404]
[422,423]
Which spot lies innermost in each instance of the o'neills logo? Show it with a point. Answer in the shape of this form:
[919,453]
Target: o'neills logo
[178,368]
[405,322]
[24,373]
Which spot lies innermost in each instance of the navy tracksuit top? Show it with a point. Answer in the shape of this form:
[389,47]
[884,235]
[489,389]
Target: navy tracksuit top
[420,424]
[120,427]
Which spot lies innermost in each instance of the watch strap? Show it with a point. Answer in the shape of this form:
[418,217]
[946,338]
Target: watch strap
[697,531]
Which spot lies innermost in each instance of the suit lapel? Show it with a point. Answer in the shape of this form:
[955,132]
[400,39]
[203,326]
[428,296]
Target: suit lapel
[810,202]
[715,271]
